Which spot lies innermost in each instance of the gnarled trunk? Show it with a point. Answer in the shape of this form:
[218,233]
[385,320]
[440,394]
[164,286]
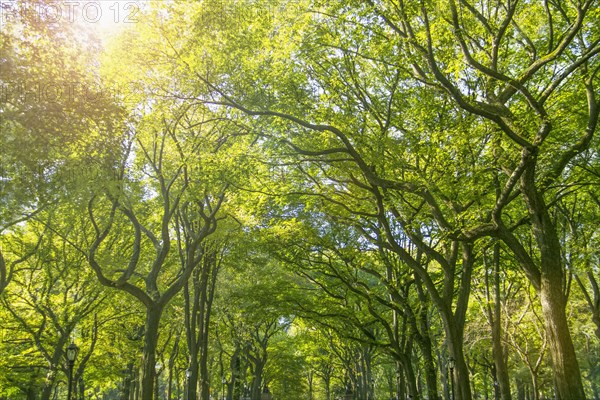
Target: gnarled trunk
[551,290]
[564,360]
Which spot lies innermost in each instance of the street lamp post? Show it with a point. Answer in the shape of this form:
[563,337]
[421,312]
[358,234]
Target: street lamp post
[223,382]
[188,374]
[451,366]
[72,351]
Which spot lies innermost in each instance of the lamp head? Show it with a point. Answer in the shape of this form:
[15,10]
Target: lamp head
[72,351]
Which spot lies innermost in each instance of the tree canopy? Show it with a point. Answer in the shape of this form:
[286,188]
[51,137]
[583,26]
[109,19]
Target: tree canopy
[259,199]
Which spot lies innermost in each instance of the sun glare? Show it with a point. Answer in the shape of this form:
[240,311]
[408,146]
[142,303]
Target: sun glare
[105,18]
[99,18]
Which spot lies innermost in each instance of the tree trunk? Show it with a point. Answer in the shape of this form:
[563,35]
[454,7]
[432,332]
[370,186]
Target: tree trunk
[430,372]
[310,384]
[53,362]
[259,367]
[535,386]
[135,393]
[520,389]
[204,376]
[198,307]
[460,376]
[191,311]
[454,324]
[192,382]
[411,380]
[551,290]
[234,366]
[206,292]
[81,394]
[501,379]
[327,382]
[425,342]
[49,384]
[127,380]
[400,381]
[149,356]
[565,366]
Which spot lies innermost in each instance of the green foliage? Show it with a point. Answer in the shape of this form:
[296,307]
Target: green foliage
[354,163]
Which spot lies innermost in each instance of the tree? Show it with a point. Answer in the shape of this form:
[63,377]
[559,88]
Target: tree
[150,235]
[51,298]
